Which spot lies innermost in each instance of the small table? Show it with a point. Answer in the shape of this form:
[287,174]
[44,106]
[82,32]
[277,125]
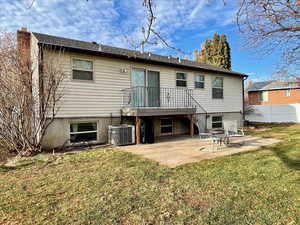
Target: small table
[217,132]
[205,135]
[220,139]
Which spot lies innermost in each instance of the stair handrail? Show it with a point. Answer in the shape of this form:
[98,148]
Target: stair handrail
[203,112]
[195,101]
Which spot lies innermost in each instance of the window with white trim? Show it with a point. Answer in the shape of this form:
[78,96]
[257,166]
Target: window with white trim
[181,80]
[217,88]
[263,96]
[199,81]
[83,132]
[166,126]
[217,122]
[287,92]
[82,69]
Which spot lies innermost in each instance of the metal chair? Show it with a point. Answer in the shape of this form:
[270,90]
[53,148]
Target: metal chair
[231,128]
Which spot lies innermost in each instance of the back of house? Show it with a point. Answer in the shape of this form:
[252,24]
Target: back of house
[159,95]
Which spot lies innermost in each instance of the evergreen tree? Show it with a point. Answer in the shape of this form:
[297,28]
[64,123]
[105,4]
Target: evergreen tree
[215,52]
[226,63]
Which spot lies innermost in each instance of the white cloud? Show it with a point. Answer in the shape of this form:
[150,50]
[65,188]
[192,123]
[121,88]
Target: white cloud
[197,9]
[107,21]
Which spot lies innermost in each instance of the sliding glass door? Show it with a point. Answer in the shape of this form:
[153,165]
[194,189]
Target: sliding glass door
[153,90]
[138,80]
[145,88]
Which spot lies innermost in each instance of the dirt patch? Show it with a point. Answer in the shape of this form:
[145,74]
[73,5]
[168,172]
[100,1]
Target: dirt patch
[295,125]
[265,151]
[260,125]
[165,180]
[195,200]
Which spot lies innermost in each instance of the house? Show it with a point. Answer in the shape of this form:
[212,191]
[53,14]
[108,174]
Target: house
[275,101]
[274,92]
[107,85]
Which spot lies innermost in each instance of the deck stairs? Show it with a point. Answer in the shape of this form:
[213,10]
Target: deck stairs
[200,116]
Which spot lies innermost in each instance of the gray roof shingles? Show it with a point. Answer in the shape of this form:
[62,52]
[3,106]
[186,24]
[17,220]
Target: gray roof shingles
[130,54]
[274,85]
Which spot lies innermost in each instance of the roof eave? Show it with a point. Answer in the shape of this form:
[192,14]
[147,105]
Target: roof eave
[274,89]
[137,59]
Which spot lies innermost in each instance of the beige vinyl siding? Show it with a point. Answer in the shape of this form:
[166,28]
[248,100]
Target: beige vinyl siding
[226,117]
[96,98]
[102,97]
[58,133]
[233,94]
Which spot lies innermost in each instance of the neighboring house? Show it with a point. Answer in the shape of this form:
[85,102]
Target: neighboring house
[274,92]
[107,85]
[275,101]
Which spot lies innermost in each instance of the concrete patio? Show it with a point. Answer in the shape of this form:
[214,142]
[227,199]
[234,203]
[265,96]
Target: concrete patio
[177,151]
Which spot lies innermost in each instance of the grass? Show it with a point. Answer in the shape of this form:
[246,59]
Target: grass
[108,186]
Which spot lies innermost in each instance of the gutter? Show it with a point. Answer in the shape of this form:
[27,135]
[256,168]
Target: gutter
[244,78]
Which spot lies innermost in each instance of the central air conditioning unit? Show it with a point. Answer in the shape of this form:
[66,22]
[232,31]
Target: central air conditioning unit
[121,135]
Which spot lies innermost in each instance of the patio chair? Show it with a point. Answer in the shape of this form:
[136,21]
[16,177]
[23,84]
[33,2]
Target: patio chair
[231,129]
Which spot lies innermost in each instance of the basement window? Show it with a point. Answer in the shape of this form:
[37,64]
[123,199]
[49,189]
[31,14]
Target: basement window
[217,122]
[166,126]
[82,69]
[83,132]
[181,80]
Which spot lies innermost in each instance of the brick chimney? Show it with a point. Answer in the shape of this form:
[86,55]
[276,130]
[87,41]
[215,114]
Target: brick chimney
[23,45]
[24,54]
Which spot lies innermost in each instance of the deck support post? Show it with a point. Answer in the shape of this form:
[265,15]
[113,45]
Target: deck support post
[138,129]
[192,120]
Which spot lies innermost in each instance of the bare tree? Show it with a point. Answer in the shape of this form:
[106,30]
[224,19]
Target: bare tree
[151,36]
[272,26]
[28,100]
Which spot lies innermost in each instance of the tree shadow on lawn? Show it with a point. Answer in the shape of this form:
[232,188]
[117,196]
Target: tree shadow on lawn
[288,153]
[287,150]
[20,163]
[5,168]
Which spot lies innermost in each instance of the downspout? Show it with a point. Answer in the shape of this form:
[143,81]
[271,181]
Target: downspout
[244,78]
[41,77]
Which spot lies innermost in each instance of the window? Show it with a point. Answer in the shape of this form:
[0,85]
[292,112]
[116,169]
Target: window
[216,122]
[260,97]
[180,79]
[166,126]
[287,92]
[82,69]
[199,81]
[263,96]
[217,87]
[83,132]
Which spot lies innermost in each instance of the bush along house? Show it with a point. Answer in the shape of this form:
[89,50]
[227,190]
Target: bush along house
[107,85]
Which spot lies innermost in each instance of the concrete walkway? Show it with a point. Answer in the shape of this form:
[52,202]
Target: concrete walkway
[173,152]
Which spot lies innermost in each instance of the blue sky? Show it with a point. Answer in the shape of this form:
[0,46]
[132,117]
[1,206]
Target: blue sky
[184,24]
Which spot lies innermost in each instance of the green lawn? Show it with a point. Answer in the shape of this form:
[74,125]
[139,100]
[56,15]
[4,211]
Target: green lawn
[108,186]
